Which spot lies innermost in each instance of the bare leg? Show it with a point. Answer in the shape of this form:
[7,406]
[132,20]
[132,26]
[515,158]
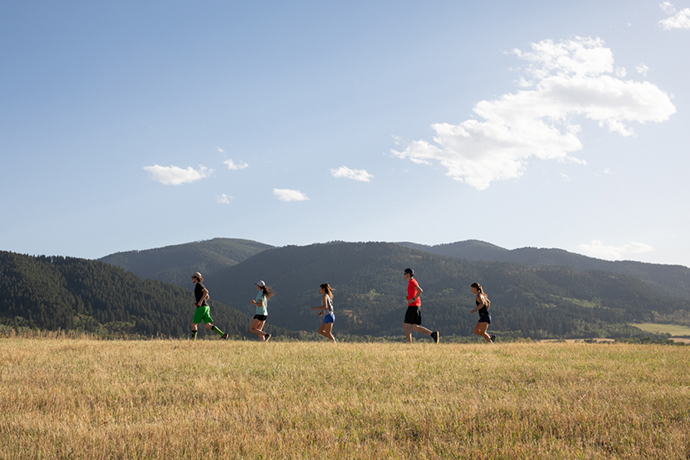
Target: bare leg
[422,329]
[194,331]
[325,330]
[255,328]
[408,332]
[480,330]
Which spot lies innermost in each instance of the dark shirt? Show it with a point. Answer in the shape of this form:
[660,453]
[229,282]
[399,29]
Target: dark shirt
[199,293]
[482,311]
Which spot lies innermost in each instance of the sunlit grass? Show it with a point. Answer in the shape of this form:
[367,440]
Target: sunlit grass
[213,399]
[675,330]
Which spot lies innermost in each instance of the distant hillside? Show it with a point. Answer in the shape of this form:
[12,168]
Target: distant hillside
[76,294]
[674,280]
[537,302]
[175,264]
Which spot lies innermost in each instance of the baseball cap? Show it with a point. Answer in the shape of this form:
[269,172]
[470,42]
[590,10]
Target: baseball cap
[410,271]
[198,276]
[260,283]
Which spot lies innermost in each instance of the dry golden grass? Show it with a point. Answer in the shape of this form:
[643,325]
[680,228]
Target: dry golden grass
[212,399]
[673,329]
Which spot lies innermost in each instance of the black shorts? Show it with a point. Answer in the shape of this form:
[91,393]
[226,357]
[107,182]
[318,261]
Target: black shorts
[485,319]
[413,315]
[261,317]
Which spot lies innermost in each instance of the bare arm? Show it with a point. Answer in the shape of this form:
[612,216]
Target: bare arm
[483,301]
[323,305]
[416,296]
[254,302]
[203,297]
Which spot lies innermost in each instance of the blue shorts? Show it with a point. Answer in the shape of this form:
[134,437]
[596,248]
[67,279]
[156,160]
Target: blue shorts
[329,318]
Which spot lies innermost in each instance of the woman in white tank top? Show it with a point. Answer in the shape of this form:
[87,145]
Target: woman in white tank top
[326,310]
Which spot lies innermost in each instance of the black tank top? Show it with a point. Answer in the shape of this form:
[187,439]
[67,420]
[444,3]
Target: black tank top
[482,311]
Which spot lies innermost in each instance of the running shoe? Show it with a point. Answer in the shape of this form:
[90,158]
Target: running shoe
[435,336]
[225,336]
[267,337]
[493,339]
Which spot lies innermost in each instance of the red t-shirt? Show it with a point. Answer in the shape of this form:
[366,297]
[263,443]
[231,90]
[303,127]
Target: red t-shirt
[411,292]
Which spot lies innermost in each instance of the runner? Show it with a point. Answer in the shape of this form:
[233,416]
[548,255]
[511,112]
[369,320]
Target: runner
[261,315]
[413,316]
[203,311]
[327,311]
[484,316]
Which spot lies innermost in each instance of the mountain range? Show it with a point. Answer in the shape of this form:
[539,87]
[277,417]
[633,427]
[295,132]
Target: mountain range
[51,293]
[673,280]
[534,292]
[174,264]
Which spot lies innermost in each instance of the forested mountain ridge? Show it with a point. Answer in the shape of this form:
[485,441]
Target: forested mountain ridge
[175,264]
[77,294]
[527,301]
[673,280]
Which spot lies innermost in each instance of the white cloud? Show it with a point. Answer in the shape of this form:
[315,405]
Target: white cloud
[642,69]
[232,166]
[667,7]
[597,249]
[354,174]
[223,198]
[173,175]
[220,150]
[563,80]
[679,20]
[285,194]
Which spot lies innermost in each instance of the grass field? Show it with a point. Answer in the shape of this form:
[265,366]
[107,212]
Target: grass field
[675,330]
[73,399]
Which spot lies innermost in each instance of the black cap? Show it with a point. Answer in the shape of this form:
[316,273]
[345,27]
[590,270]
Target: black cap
[409,271]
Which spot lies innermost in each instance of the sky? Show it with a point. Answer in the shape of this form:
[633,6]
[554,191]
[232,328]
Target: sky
[134,125]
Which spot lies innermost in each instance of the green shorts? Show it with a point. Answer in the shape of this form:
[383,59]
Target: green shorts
[202,315]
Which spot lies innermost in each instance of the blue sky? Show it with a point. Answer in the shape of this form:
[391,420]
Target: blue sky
[130,126]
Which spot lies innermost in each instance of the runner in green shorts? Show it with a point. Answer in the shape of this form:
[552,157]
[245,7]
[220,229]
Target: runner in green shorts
[202,314]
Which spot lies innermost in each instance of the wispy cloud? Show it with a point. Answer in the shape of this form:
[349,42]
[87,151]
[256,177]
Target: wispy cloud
[679,20]
[598,249]
[285,194]
[667,7]
[223,198]
[173,175]
[562,80]
[642,69]
[233,166]
[354,174]
[220,150]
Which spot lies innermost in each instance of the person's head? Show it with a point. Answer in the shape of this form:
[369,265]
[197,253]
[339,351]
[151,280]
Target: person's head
[261,286]
[408,274]
[197,278]
[326,288]
[477,288]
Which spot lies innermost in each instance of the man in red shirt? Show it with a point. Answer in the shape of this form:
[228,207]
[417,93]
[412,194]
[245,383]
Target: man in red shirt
[413,316]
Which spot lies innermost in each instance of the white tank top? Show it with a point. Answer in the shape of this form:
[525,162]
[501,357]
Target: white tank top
[329,305]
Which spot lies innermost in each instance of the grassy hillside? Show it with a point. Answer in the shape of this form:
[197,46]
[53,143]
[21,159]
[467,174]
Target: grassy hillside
[175,264]
[85,295]
[537,302]
[672,280]
[179,399]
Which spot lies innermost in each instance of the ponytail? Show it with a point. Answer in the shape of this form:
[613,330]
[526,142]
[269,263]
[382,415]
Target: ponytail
[327,289]
[268,292]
